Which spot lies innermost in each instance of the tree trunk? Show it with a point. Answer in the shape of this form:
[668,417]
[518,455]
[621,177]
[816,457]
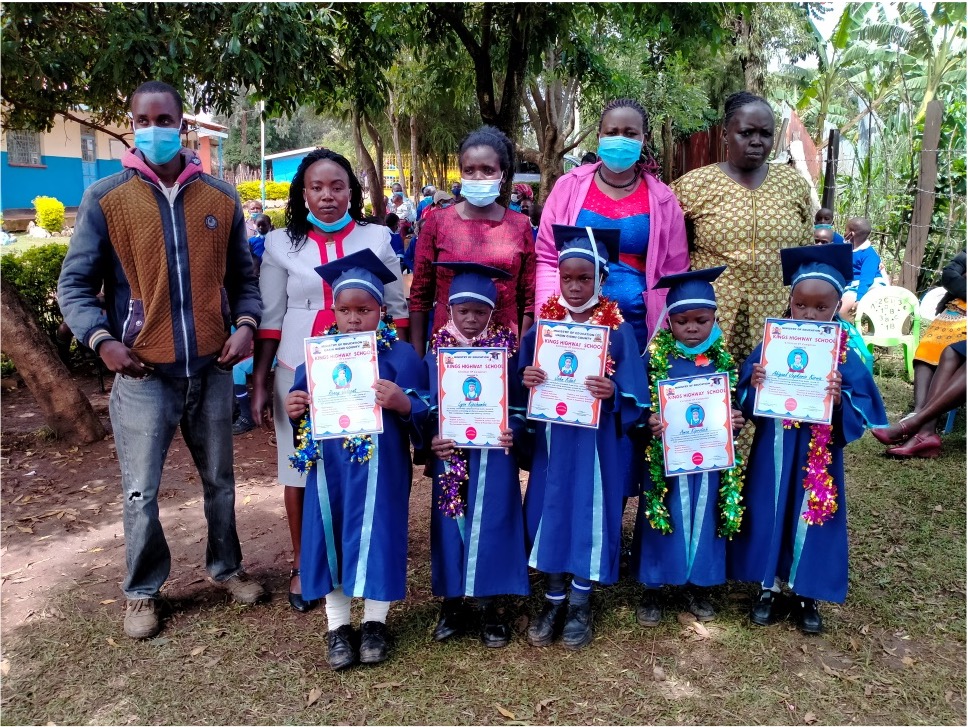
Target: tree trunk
[924,201]
[67,411]
[395,130]
[414,163]
[377,200]
[668,151]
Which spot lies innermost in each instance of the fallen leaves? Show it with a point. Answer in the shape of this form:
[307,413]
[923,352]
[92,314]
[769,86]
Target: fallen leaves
[544,703]
[506,713]
[198,650]
[314,694]
[4,667]
[809,718]
[106,601]
[658,673]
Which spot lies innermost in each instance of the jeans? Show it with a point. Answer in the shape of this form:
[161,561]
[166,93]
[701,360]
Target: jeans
[144,414]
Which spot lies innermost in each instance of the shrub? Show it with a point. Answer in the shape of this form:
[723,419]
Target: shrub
[34,273]
[278,217]
[50,214]
[253,190]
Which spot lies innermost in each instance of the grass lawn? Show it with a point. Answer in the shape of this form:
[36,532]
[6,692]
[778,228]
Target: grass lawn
[25,243]
[893,654]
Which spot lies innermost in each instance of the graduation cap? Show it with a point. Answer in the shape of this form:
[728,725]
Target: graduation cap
[474,283]
[597,245]
[832,263]
[690,290]
[361,270]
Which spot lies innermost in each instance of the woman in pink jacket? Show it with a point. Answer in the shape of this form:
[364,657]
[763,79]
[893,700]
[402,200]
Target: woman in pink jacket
[619,192]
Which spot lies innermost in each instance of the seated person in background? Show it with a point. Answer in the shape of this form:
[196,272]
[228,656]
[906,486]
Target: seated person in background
[396,239]
[867,266]
[823,235]
[825,219]
[257,241]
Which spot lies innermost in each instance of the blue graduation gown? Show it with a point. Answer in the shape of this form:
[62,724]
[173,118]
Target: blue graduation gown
[775,540]
[483,553]
[693,552]
[355,516]
[573,506]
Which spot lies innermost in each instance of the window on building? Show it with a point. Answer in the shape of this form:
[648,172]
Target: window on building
[23,147]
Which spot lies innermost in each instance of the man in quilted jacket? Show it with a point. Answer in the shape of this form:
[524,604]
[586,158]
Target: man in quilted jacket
[168,243]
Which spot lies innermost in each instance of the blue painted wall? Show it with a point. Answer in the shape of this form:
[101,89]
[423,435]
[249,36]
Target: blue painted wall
[284,169]
[61,178]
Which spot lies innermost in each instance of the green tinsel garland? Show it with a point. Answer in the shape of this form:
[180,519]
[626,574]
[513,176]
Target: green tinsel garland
[661,350]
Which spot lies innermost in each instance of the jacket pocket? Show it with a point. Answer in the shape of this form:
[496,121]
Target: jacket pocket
[134,322]
[226,309]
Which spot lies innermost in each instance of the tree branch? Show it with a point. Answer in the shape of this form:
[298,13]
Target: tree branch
[582,135]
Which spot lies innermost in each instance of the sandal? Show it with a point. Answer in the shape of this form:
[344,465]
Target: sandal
[296,601]
[880,434]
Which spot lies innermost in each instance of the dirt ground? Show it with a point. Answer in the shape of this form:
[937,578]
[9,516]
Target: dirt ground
[61,516]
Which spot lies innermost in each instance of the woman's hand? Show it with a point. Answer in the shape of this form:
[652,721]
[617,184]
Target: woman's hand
[297,404]
[738,421]
[261,405]
[390,396]
[655,424]
[534,376]
[443,448]
[833,388]
[601,387]
[759,375]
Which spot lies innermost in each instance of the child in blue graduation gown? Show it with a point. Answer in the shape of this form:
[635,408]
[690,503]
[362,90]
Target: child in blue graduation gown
[477,546]
[683,521]
[795,529]
[573,506]
[354,537]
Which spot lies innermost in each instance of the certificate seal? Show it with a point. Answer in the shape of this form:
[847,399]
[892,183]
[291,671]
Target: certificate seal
[790,404]
[471,434]
[697,458]
[344,421]
[561,409]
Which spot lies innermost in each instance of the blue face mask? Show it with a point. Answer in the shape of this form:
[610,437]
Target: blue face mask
[480,192]
[619,153]
[329,226]
[714,335]
[159,144]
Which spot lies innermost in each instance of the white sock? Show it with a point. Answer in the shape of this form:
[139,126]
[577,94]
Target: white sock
[337,609]
[375,610]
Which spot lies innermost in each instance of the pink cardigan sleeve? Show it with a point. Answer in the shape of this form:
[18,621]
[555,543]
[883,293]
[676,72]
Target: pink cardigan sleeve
[668,248]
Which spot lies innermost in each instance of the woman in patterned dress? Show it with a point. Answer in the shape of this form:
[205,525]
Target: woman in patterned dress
[741,212]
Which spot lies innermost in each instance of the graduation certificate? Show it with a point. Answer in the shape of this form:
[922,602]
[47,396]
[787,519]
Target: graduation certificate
[472,395]
[342,373]
[567,353]
[800,358]
[697,433]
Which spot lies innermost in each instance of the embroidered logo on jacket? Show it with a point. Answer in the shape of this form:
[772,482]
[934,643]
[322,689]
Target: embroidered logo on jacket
[210,222]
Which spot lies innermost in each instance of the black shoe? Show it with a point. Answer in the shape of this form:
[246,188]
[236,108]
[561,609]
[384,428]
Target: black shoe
[342,648]
[699,606]
[296,601]
[547,625]
[762,612]
[808,616]
[649,611]
[452,620]
[494,632]
[577,632]
[373,642]
[242,425]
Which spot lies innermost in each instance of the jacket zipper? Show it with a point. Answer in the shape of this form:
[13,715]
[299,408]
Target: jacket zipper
[124,328]
[178,267]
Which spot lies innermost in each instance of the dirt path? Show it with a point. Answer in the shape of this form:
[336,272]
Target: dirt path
[61,515]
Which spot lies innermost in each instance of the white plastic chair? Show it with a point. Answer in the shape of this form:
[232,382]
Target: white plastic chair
[887,309]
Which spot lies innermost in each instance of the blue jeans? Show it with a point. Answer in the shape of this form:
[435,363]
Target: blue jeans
[144,414]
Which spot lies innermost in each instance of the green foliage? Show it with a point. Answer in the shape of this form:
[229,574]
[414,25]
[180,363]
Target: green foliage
[278,217]
[253,190]
[50,214]
[34,274]
[59,56]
